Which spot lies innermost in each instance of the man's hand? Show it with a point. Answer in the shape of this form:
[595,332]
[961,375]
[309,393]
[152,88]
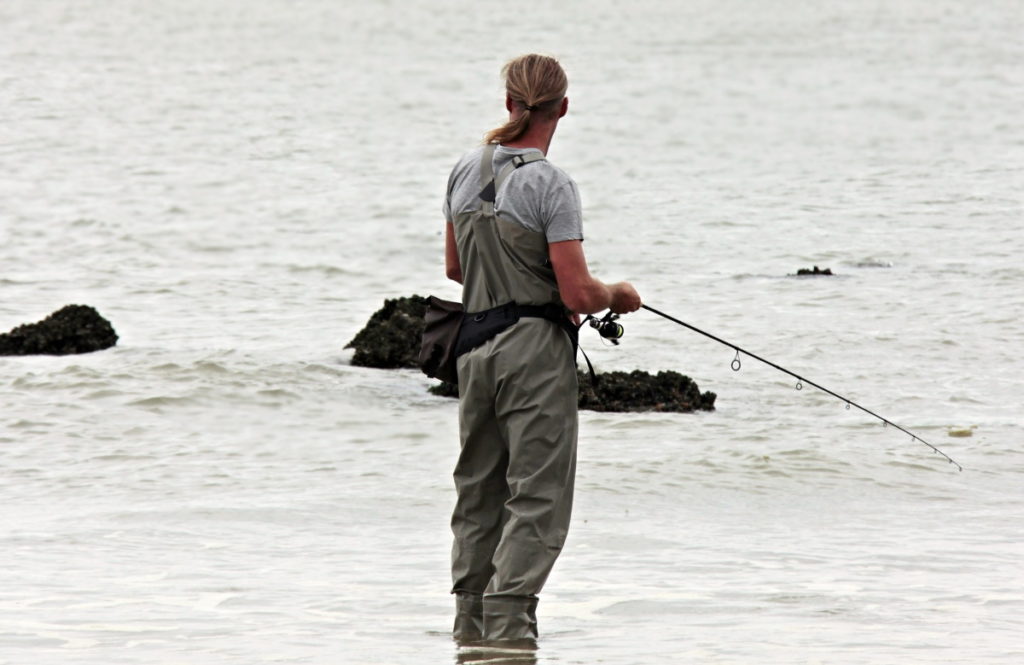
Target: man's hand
[625,299]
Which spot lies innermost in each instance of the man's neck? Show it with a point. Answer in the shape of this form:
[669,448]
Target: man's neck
[537,136]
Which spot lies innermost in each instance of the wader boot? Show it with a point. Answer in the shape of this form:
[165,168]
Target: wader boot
[509,618]
[469,617]
[517,422]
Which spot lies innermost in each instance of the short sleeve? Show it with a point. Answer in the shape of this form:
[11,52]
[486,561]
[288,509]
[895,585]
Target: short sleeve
[563,213]
[446,207]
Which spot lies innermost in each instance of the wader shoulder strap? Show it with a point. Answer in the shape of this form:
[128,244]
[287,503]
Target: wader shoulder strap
[487,189]
[517,161]
[487,164]
[489,185]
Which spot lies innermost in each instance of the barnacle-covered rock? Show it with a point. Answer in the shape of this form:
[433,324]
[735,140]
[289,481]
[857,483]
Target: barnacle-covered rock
[642,391]
[71,329]
[630,391]
[391,338]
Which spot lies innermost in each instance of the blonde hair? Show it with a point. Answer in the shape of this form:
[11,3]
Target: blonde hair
[537,83]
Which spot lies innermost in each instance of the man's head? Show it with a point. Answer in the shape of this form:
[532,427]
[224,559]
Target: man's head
[535,84]
[535,87]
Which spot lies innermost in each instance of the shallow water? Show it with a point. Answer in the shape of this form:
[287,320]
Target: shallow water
[238,186]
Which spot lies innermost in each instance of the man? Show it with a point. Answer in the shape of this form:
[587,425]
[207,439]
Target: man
[514,241]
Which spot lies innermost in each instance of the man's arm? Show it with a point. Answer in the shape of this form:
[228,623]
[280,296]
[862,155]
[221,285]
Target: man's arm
[581,292]
[452,268]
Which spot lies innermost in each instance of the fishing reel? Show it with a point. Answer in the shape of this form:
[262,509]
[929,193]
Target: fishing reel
[608,327]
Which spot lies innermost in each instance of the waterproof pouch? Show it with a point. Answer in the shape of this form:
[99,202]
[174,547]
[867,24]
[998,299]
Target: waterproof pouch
[443,320]
[480,327]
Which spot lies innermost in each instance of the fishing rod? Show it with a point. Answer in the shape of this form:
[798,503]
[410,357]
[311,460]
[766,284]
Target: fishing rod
[610,329]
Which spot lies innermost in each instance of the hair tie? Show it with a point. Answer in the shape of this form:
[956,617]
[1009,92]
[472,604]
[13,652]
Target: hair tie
[530,107]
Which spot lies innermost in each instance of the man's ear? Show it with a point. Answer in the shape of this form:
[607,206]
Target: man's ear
[565,107]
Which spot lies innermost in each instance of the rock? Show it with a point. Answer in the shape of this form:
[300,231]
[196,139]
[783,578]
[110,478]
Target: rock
[444,389]
[71,329]
[391,338]
[640,391]
[815,271]
[630,391]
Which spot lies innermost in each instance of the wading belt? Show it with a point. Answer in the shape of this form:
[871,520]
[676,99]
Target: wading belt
[483,326]
[479,327]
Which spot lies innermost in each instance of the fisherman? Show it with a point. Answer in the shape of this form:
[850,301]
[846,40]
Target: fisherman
[513,240]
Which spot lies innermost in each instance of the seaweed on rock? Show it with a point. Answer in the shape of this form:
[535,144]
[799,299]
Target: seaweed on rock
[71,329]
[816,271]
[630,391]
[391,338]
[642,391]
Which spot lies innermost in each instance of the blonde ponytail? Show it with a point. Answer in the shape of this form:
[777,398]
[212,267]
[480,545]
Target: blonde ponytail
[536,83]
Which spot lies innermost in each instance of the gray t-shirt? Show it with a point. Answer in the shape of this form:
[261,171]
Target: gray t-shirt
[539,195]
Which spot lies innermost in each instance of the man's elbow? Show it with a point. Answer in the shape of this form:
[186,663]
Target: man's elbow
[574,303]
[586,300]
[454,273]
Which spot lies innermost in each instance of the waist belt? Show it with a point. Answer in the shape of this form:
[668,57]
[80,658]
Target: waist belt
[480,327]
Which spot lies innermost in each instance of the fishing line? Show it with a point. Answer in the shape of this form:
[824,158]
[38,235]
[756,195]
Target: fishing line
[736,364]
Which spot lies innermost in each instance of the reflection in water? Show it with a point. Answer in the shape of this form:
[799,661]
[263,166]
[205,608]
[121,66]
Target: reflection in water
[502,652]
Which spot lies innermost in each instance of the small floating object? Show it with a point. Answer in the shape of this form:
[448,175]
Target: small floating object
[962,432]
[872,263]
[814,271]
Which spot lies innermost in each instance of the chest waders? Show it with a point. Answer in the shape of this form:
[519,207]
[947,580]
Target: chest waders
[517,422]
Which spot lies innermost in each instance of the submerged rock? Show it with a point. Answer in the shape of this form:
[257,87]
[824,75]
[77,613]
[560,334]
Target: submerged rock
[815,271]
[71,329]
[391,338]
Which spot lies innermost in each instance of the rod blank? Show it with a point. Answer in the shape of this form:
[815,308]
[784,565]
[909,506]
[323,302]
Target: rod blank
[800,380]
